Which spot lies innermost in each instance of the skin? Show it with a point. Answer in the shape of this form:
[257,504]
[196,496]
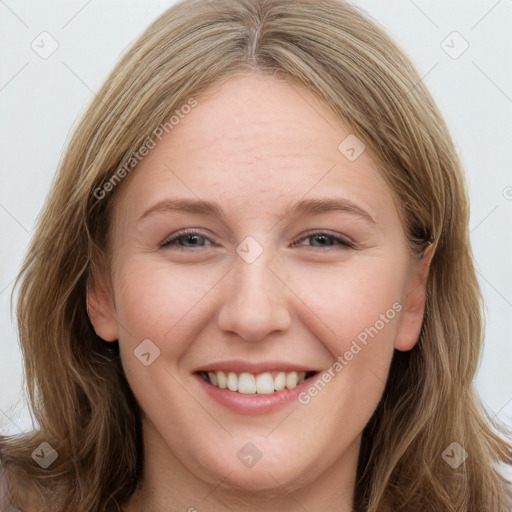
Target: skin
[256,145]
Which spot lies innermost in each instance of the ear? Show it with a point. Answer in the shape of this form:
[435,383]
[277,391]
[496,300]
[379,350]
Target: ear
[411,318]
[100,307]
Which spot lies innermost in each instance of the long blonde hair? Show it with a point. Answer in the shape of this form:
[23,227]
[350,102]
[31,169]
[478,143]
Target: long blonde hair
[78,393]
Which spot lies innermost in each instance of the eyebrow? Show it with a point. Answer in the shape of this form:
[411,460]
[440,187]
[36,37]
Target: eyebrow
[315,206]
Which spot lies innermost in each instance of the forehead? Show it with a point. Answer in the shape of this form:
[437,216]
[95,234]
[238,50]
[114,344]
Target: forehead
[258,143]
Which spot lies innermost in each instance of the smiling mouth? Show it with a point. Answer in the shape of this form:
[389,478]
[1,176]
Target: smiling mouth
[265,383]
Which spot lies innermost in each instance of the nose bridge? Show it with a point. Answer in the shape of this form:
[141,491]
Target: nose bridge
[256,303]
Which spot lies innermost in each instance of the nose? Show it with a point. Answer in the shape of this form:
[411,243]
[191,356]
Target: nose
[255,303]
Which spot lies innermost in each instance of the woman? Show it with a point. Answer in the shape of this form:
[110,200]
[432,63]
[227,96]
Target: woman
[252,286]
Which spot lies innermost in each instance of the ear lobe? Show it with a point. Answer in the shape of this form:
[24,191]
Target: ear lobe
[100,308]
[413,312]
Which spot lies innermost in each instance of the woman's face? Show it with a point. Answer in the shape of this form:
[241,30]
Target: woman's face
[257,240]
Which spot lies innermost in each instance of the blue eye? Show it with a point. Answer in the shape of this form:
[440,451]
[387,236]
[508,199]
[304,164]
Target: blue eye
[192,239]
[187,240]
[324,240]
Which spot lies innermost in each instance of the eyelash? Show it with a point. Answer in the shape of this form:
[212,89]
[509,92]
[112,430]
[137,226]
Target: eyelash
[342,242]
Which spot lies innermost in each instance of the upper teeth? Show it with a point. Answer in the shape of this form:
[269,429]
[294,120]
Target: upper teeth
[262,383]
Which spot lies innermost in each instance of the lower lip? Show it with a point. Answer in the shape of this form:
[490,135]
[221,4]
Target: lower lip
[253,405]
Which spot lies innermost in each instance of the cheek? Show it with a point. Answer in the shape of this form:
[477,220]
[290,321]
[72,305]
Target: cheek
[355,309]
[156,301]
[358,300]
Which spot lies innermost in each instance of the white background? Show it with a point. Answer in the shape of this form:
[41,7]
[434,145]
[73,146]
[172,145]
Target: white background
[41,99]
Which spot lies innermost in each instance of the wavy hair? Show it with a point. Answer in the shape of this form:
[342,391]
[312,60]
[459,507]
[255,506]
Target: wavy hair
[79,397]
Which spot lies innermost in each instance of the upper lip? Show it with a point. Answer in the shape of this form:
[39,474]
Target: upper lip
[239,366]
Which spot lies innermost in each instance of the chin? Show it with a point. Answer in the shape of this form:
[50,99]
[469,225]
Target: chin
[271,471]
